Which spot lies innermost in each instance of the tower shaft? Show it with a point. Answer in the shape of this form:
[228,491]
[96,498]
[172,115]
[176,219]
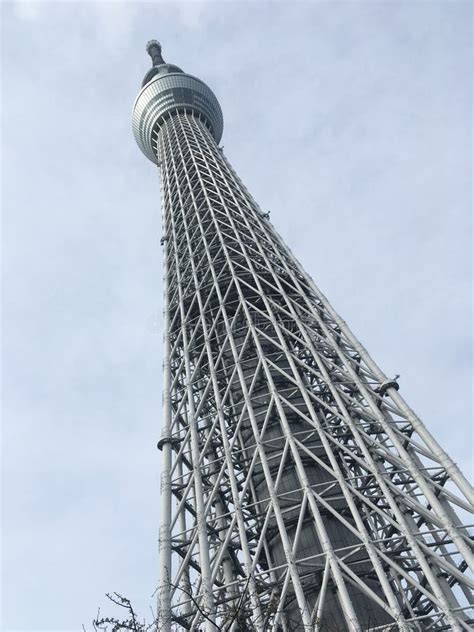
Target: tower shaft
[301,497]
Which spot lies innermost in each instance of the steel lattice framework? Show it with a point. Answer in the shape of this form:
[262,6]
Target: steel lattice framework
[299,490]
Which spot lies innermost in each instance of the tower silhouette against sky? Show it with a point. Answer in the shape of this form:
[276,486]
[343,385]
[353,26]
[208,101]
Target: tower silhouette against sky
[299,491]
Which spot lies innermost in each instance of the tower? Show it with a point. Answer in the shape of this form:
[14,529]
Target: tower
[299,491]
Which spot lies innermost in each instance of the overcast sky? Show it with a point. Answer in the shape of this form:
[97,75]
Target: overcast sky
[349,121]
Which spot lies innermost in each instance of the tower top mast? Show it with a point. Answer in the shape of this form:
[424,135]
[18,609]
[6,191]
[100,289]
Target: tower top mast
[153,48]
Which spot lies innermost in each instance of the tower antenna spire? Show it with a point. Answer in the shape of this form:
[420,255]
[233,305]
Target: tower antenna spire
[153,48]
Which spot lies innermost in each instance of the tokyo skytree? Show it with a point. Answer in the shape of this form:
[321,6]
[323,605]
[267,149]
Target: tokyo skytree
[299,491]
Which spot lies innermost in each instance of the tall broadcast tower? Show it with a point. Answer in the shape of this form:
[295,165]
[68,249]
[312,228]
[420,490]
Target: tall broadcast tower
[299,491]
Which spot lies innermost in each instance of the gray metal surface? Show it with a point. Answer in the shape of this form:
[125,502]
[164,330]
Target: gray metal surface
[172,91]
[299,491]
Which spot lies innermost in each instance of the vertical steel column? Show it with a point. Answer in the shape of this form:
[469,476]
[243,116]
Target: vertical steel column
[164,591]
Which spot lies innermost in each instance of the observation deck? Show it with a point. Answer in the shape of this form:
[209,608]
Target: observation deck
[166,89]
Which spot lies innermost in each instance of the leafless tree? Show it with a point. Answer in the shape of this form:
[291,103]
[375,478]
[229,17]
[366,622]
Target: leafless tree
[234,615]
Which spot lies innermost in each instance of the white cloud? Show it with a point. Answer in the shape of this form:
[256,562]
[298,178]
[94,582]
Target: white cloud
[28,10]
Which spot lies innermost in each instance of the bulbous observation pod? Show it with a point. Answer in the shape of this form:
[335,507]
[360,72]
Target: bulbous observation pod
[167,89]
